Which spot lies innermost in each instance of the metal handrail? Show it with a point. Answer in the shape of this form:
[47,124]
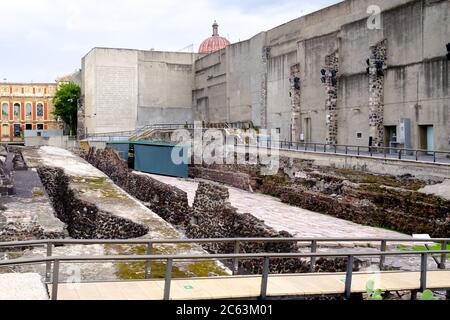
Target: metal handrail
[31,243]
[334,148]
[56,261]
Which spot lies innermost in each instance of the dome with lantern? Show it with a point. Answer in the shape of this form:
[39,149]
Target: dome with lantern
[214,43]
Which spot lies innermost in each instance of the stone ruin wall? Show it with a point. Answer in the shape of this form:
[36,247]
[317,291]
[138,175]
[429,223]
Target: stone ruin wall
[6,184]
[379,201]
[331,85]
[295,95]
[84,220]
[377,63]
[211,216]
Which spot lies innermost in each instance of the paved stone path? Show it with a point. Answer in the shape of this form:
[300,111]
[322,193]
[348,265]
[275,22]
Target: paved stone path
[299,222]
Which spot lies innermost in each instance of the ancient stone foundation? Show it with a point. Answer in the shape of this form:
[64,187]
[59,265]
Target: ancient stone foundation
[6,185]
[85,220]
[379,201]
[168,202]
[211,216]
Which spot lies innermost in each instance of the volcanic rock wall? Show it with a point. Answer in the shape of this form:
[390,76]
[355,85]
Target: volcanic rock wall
[331,85]
[6,186]
[211,216]
[240,180]
[168,202]
[377,63]
[84,220]
[380,201]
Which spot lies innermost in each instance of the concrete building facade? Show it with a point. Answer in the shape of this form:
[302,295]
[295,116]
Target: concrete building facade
[26,107]
[341,75]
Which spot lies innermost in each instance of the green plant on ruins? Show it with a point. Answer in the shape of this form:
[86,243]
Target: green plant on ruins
[377,294]
[428,295]
[372,293]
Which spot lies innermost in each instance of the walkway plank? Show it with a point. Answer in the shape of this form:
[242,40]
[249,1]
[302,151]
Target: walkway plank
[248,287]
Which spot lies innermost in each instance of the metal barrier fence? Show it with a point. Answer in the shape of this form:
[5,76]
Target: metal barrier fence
[53,262]
[384,152]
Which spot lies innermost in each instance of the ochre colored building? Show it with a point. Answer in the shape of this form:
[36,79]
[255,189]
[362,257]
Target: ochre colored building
[26,106]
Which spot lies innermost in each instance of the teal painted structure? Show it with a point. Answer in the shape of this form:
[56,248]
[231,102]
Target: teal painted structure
[121,148]
[155,157]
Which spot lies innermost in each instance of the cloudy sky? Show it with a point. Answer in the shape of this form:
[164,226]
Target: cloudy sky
[44,39]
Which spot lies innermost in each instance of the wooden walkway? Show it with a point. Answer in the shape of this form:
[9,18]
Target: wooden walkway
[249,287]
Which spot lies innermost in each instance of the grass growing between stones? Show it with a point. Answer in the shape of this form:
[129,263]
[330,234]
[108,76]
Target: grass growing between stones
[389,181]
[99,185]
[436,247]
[135,270]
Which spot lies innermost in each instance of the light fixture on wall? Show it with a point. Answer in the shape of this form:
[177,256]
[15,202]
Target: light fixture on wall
[323,73]
[297,83]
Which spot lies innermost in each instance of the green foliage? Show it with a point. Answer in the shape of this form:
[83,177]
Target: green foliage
[66,105]
[428,295]
[377,294]
[373,294]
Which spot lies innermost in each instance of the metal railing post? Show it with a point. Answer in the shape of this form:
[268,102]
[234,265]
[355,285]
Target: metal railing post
[423,271]
[346,150]
[417,155]
[55,280]
[235,260]
[312,266]
[168,280]
[400,155]
[383,258]
[434,157]
[265,278]
[148,264]
[349,278]
[48,266]
[358,150]
[443,256]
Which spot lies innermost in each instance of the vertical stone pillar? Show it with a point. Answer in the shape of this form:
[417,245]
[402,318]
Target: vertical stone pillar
[264,78]
[330,79]
[376,65]
[295,94]
[81,119]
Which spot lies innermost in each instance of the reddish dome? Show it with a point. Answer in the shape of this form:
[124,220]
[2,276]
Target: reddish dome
[214,43]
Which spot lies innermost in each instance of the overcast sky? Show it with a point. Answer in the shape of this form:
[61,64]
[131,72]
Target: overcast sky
[44,39]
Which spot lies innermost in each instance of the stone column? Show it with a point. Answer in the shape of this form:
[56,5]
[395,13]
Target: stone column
[295,94]
[330,79]
[264,76]
[81,119]
[376,65]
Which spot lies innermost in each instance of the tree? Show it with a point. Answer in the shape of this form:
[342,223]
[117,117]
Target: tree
[65,105]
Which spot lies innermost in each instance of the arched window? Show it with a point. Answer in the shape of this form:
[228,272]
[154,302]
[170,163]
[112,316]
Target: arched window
[5,131]
[5,110]
[40,110]
[17,110]
[28,110]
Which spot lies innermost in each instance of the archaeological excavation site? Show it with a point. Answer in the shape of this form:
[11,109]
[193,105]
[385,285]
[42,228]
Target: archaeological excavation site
[300,156]
[226,220]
